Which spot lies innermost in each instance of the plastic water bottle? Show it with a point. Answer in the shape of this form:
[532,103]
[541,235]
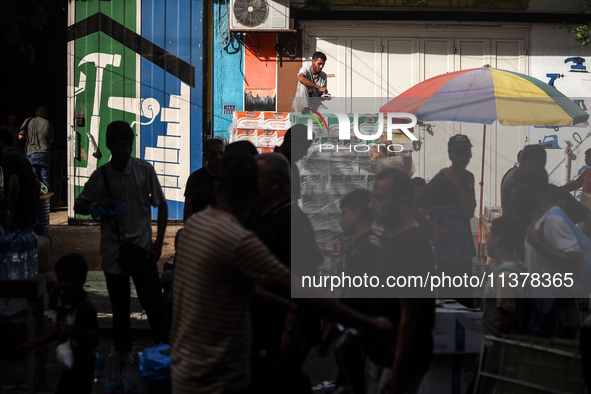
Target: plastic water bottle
[99,374]
[35,252]
[131,372]
[112,372]
[25,258]
[16,250]
[7,258]
[31,245]
[25,255]
[4,248]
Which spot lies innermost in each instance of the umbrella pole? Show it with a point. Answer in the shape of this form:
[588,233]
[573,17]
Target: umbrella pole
[481,193]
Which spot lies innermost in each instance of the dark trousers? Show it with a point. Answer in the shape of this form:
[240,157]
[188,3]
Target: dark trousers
[40,164]
[149,292]
[76,381]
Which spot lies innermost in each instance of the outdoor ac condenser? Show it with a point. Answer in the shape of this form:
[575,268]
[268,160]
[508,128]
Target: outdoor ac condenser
[253,15]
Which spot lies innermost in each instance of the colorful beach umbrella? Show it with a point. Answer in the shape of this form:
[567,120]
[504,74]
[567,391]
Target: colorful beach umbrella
[484,95]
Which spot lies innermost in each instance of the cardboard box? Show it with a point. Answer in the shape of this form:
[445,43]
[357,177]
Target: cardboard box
[333,146]
[356,140]
[316,142]
[249,120]
[312,203]
[314,167]
[402,139]
[280,137]
[267,138]
[265,149]
[344,165]
[276,121]
[334,126]
[337,184]
[356,182]
[298,118]
[368,125]
[249,135]
[457,331]
[312,184]
[318,130]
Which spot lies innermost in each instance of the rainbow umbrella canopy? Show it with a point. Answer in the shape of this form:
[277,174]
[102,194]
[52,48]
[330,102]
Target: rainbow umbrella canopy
[483,95]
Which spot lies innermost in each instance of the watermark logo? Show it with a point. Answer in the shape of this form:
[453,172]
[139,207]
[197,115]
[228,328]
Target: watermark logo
[392,124]
[317,117]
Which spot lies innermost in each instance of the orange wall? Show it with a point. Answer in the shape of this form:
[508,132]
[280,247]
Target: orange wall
[260,67]
[287,68]
[266,73]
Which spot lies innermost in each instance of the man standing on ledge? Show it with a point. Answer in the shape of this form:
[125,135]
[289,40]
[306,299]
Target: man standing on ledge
[311,85]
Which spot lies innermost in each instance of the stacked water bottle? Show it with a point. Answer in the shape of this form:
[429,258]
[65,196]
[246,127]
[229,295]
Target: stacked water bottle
[114,381]
[18,254]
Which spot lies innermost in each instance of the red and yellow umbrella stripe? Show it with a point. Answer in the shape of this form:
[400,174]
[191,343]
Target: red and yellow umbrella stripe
[485,94]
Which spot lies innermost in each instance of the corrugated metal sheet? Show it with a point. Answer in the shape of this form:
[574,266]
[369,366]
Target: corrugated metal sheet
[138,61]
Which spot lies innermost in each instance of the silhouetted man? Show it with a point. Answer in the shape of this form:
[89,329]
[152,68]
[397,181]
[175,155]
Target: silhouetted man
[38,135]
[128,188]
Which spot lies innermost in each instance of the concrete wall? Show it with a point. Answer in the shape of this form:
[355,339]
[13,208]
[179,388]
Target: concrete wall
[227,75]
[554,6]
[549,48]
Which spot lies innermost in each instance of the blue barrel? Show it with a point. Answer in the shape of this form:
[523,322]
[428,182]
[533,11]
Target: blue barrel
[42,226]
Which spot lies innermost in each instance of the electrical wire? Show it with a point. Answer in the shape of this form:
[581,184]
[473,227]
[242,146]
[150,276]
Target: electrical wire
[284,48]
[224,26]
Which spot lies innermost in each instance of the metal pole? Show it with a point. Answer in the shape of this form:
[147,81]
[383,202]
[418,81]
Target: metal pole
[481,193]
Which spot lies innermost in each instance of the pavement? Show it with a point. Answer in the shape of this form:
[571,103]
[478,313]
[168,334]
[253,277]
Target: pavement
[84,239]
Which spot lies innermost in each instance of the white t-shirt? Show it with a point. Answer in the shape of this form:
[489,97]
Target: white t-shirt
[303,93]
[137,189]
[558,235]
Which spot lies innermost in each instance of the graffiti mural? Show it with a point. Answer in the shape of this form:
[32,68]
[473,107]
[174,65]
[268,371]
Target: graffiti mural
[565,144]
[146,79]
[577,65]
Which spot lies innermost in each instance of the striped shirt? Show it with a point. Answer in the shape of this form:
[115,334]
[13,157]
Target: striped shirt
[218,262]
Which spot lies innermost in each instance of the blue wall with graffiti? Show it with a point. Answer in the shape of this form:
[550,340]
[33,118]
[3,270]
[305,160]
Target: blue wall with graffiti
[173,144]
[228,70]
[140,61]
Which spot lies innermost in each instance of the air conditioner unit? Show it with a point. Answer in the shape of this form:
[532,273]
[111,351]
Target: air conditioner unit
[259,15]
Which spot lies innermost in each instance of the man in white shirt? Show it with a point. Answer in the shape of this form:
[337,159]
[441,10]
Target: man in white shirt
[550,242]
[311,85]
[132,185]
[551,245]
